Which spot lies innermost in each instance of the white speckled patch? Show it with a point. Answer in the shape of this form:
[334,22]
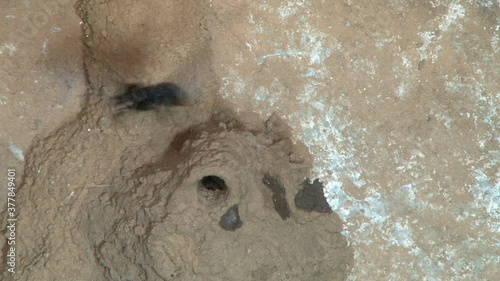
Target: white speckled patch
[10,48]
[18,153]
[393,216]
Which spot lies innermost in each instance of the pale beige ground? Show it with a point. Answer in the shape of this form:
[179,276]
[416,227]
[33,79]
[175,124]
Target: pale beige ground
[397,103]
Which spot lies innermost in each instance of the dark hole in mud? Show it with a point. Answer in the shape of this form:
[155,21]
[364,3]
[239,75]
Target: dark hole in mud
[212,189]
[213,183]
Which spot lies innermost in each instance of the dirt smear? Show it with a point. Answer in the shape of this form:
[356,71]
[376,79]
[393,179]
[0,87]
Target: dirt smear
[141,195]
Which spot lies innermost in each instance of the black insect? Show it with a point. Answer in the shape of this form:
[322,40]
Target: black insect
[144,98]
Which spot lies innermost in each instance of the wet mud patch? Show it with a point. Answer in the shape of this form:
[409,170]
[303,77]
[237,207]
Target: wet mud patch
[311,198]
[157,194]
[279,196]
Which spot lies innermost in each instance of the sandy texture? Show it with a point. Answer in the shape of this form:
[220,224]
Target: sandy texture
[393,105]
[42,79]
[143,217]
[123,197]
[398,102]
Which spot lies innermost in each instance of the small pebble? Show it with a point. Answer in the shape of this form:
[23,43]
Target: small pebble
[231,219]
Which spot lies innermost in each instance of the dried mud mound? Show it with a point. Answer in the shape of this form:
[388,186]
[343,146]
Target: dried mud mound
[137,216]
[194,192]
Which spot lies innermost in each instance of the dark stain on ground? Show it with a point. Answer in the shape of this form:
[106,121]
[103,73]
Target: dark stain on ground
[310,197]
[279,196]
